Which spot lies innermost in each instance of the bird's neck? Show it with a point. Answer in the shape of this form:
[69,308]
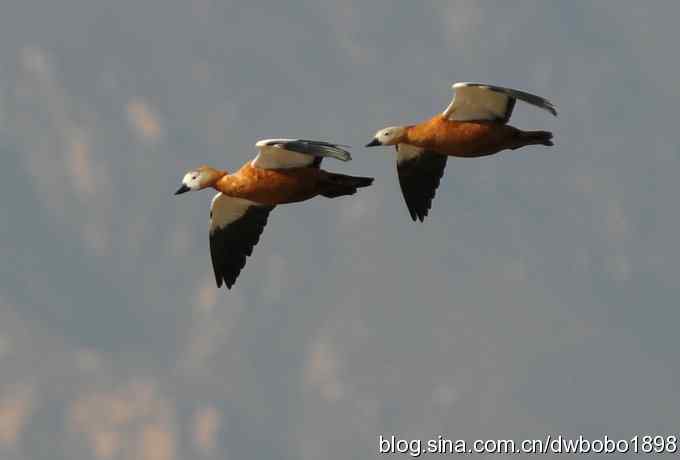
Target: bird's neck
[407,134]
[225,182]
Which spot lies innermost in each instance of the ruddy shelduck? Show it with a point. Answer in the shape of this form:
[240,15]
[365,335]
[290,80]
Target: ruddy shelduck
[473,125]
[284,171]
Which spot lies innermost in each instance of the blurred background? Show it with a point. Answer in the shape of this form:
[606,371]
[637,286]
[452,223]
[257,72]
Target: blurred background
[541,295]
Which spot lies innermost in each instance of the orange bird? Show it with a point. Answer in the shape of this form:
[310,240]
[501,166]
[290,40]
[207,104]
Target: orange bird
[284,171]
[473,125]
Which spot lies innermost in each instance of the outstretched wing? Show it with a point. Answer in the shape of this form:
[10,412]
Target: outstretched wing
[296,153]
[478,101]
[235,228]
[419,174]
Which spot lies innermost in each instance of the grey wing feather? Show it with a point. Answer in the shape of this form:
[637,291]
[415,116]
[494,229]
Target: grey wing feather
[313,148]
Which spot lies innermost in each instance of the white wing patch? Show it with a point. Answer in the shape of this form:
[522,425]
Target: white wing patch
[407,152]
[477,101]
[276,157]
[295,153]
[224,210]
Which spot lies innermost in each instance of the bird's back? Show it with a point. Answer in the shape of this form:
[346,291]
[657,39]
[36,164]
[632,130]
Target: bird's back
[461,138]
[272,186]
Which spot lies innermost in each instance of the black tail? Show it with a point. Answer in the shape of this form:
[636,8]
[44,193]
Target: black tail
[340,185]
[538,137]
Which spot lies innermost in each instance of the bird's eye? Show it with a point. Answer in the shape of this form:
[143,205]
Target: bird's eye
[194,177]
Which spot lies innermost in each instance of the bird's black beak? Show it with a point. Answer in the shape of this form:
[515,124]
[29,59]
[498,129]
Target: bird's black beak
[373,143]
[182,189]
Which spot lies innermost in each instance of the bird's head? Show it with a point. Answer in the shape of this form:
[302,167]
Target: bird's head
[199,178]
[388,136]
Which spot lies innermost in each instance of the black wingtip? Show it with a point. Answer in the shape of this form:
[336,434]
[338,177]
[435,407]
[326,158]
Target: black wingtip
[412,213]
[364,181]
[419,216]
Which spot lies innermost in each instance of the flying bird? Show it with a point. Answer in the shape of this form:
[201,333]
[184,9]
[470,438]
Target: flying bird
[284,171]
[473,125]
